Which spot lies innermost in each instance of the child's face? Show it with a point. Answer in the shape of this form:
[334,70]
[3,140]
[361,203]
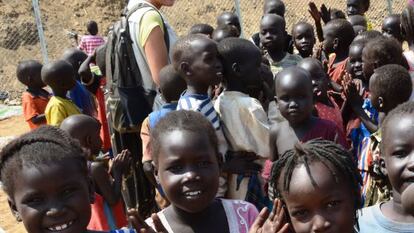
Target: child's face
[355,7]
[326,207]
[95,141]
[355,61]
[272,34]
[320,81]
[206,67]
[294,98]
[330,39]
[230,19]
[304,38]
[398,153]
[47,199]
[391,28]
[188,170]
[374,95]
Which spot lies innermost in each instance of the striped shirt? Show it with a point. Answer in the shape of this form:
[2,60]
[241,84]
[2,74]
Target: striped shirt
[89,43]
[202,104]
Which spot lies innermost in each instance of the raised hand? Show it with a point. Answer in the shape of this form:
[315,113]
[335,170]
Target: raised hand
[273,222]
[140,225]
[314,12]
[325,14]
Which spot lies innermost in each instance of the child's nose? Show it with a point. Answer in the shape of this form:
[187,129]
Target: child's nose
[320,223]
[191,175]
[55,211]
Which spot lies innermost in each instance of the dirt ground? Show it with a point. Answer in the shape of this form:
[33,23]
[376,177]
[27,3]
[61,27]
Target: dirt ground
[10,127]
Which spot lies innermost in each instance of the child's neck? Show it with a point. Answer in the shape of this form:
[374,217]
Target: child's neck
[341,55]
[276,54]
[235,86]
[303,127]
[394,210]
[199,90]
[182,217]
[60,93]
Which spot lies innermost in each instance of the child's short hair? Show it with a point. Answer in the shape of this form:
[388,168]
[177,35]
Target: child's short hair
[172,85]
[201,28]
[92,27]
[334,156]
[182,49]
[393,82]
[28,68]
[277,7]
[343,30]
[368,36]
[358,20]
[402,109]
[45,144]
[337,14]
[55,74]
[238,50]
[384,51]
[75,57]
[224,31]
[182,120]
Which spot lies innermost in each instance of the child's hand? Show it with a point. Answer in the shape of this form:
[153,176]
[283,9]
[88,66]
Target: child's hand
[325,14]
[271,223]
[121,162]
[139,224]
[314,12]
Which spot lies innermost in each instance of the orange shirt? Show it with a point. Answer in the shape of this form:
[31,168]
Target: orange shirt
[32,107]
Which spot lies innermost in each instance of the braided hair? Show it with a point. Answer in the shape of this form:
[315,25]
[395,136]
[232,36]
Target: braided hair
[44,145]
[333,156]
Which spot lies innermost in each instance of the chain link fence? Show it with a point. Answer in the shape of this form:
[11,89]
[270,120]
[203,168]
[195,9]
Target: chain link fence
[19,38]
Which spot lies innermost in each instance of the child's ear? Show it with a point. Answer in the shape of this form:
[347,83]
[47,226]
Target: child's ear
[381,102]
[185,68]
[335,43]
[382,167]
[155,169]
[235,68]
[13,209]
[88,141]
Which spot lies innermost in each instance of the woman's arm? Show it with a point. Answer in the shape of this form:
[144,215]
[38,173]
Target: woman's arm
[156,53]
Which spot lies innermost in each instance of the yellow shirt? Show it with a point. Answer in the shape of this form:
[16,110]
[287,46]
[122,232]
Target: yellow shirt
[58,109]
[150,20]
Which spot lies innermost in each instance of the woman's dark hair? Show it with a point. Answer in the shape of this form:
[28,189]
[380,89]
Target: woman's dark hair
[333,156]
[181,120]
[407,24]
[44,145]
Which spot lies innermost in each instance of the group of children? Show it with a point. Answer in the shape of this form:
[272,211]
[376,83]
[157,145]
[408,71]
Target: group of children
[319,137]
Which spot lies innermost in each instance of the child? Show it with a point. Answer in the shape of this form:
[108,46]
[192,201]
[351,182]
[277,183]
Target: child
[358,7]
[395,215]
[196,59]
[355,62]
[79,94]
[318,183]
[273,38]
[107,211]
[294,96]
[186,158]
[359,23]
[171,87]
[228,18]
[241,66]
[390,85]
[224,31]
[45,176]
[60,77]
[304,38]
[35,98]
[202,28]
[325,105]
[391,27]
[407,25]
[338,35]
[89,43]
[94,80]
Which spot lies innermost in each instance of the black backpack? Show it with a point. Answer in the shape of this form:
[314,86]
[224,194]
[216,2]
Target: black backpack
[129,103]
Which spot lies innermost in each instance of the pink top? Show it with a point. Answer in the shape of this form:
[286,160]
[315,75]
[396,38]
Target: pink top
[240,216]
[89,43]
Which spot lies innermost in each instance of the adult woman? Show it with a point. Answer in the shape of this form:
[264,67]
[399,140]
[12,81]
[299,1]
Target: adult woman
[152,40]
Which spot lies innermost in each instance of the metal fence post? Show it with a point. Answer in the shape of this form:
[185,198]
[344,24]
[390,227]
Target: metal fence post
[43,45]
[389,5]
[239,13]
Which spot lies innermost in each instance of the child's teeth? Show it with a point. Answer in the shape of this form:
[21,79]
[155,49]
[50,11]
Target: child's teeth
[61,227]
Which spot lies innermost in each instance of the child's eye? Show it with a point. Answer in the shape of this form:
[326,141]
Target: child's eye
[299,213]
[203,164]
[399,153]
[332,204]
[33,201]
[68,191]
[175,169]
